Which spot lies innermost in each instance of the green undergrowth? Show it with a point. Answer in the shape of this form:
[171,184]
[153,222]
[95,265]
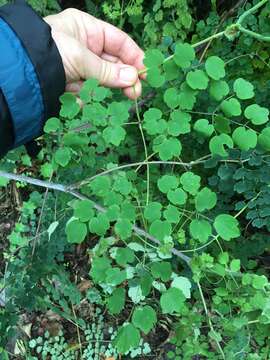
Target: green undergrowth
[167,199]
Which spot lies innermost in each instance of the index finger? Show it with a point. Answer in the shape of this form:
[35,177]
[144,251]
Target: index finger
[121,45]
[102,37]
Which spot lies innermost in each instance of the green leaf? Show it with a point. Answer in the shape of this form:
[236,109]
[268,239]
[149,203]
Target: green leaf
[222,124]
[203,127]
[76,231]
[264,139]
[177,197]
[118,113]
[171,98]
[101,186]
[75,140]
[4,181]
[99,224]
[95,114]
[172,214]
[187,97]
[114,135]
[259,281]
[51,229]
[172,301]
[62,156]
[83,210]
[179,123]
[167,182]
[184,55]
[153,123]
[116,302]
[244,138]
[135,293]
[205,200]
[219,89]
[101,93]
[217,144]
[227,227]
[171,70]
[152,211]
[99,268]
[244,89]
[124,256]
[115,276]
[160,229]
[70,108]
[197,79]
[46,170]
[223,258]
[127,338]
[122,185]
[200,230]
[235,265]
[87,90]
[123,228]
[146,281]
[257,114]
[215,67]
[168,148]
[128,211]
[161,270]
[231,107]
[52,125]
[191,182]
[155,78]
[182,283]
[153,57]
[144,318]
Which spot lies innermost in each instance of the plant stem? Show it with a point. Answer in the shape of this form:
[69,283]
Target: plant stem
[121,167]
[145,152]
[99,208]
[212,37]
[254,34]
[250,11]
[209,320]
[237,26]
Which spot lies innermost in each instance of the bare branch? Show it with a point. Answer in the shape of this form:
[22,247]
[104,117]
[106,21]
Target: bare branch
[78,195]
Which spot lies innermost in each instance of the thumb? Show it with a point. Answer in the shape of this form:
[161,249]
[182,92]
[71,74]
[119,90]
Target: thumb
[110,74]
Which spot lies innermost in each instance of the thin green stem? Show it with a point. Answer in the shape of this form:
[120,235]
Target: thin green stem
[209,320]
[145,151]
[236,27]
[201,247]
[254,34]
[199,43]
[251,11]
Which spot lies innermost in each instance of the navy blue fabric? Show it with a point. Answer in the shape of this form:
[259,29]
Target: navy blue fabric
[20,87]
[6,130]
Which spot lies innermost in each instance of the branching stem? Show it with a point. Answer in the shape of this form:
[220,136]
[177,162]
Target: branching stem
[78,195]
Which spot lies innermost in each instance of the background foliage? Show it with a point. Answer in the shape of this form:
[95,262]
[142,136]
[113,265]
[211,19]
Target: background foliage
[178,236]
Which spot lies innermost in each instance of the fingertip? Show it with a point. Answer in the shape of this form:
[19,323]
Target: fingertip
[133,92]
[143,73]
[128,75]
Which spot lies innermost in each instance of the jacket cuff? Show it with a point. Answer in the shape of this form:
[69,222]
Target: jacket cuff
[48,76]
[6,129]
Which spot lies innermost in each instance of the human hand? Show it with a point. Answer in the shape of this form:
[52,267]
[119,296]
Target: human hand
[91,48]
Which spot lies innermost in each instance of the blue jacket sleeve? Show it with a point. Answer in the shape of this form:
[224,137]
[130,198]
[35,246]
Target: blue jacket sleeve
[32,76]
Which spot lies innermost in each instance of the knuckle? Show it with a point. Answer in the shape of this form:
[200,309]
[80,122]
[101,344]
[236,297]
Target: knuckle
[106,72]
[71,11]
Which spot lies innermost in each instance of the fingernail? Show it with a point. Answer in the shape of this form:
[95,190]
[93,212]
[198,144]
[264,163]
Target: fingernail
[74,88]
[128,75]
